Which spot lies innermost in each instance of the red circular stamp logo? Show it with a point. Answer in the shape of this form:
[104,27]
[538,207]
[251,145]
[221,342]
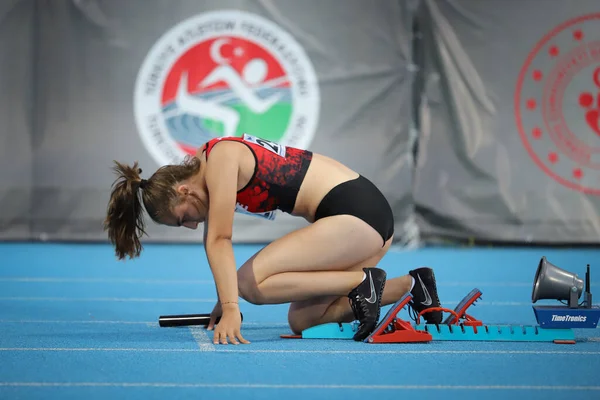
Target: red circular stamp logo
[557,104]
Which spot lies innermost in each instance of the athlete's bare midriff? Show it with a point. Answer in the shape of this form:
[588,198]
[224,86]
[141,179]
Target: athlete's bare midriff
[323,174]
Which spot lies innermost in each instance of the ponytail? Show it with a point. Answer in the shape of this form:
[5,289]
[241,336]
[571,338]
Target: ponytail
[124,219]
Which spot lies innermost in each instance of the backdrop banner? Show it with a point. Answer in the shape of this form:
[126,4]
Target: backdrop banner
[151,80]
[17,30]
[504,103]
[509,119]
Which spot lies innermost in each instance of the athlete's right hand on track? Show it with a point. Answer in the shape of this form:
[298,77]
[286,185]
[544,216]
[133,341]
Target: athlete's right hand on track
[229,327]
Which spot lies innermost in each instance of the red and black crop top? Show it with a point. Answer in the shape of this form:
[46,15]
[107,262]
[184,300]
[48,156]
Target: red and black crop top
[278,174]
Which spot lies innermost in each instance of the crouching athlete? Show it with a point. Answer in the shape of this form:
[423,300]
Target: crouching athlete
[326,270]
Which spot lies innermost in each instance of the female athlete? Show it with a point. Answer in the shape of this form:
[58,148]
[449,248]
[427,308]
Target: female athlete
[326,270]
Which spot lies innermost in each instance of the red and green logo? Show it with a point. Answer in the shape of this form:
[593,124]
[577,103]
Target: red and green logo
[220,74]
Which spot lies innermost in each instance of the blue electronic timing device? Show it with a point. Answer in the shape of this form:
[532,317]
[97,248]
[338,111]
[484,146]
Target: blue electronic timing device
[554,283]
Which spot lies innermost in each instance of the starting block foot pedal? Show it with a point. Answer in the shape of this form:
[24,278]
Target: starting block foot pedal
[391,329]
[460,311]
[459,315]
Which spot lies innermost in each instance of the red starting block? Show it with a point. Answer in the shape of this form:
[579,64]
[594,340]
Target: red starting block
[459,315]
[392,329]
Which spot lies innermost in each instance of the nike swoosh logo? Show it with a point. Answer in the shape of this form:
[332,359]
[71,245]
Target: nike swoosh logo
[373,296]
[427,301]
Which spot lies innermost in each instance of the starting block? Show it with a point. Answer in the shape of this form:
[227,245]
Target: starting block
[331,331]
[392,329]
[458,326]
[403,332]
[344,330]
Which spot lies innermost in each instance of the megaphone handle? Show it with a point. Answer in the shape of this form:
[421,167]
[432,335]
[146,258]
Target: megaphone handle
[587,296]
[573,298]
[588,300]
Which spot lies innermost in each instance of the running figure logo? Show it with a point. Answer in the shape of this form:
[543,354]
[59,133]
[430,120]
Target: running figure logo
[220,74]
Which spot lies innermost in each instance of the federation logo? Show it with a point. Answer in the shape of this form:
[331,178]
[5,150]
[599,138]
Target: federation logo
[557,104]
[224,73]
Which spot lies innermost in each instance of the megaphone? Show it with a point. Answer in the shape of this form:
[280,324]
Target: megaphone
[554,283]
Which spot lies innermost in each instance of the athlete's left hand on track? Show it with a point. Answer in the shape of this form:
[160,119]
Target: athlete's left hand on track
[229,327]
[214,315]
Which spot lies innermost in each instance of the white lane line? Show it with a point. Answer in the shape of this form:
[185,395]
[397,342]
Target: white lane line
[193,300]
[488,352]
[300,386]
[109,299]
[36,321]
[106,280]
[266,325]
[218,350]
[202,339]
[478,284]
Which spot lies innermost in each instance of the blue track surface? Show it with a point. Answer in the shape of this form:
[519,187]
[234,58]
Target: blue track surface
[77,324]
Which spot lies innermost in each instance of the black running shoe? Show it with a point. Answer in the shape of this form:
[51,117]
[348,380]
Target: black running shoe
[365,300]
[425,295]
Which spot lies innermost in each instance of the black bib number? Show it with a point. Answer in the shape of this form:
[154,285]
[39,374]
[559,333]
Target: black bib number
[273,147]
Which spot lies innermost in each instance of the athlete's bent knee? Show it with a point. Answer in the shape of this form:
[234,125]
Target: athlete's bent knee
[248,288]
[297,325]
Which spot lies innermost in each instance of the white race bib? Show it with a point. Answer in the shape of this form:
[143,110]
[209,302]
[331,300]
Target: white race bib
[269,215]
[273,147]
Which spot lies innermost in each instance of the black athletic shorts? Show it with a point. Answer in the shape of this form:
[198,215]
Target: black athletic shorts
[361,198]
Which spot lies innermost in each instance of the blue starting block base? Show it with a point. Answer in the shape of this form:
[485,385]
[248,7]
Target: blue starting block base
[497,333]
[331,331]
[561,317]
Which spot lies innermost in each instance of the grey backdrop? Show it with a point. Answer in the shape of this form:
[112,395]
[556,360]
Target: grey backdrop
[475,178]
[67,81]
